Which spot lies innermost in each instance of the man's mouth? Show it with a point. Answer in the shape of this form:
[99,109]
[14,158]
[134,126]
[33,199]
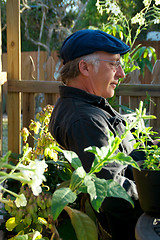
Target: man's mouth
[114,85]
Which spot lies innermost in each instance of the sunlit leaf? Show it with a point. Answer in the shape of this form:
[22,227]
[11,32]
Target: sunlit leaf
[96,188]
[60,199]
[11,224]
[121,158]
[72,157]
[77,177]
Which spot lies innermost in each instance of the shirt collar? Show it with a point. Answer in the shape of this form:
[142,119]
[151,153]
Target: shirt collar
[77,93]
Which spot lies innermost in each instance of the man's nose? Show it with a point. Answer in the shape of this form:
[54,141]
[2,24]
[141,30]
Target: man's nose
[120,72]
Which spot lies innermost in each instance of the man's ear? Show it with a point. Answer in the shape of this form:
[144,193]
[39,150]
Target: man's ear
[84,68]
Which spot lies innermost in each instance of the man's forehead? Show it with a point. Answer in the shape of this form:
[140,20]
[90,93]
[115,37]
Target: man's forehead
[109,55]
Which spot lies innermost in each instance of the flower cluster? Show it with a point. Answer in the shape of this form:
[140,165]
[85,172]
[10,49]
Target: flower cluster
[138,18]
[33,173]
[108,6]
[114,9]
[31,166]
[111,7]
[157,2]
[121,26]
[45,142]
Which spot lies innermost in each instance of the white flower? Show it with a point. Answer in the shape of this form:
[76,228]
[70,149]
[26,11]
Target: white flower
[141,21]
[114,9]
[36,235]
[138,18]
[107,2]
[146,2]
[51,153]
[156,21]
[157,2]
[21,201]
[135,19]
[34,174]
[35,186]
[39,168]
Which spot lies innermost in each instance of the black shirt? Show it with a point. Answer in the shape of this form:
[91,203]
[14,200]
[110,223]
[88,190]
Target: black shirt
[80,120]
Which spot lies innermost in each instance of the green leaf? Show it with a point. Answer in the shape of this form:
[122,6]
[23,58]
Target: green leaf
[135,49]
[84,226]
[77,177]
[96,188]
[149,117]
[96,167]
[42,221]
[73,158]
[149,65]
[60,199]
[121,158]
[100,152]
[115,144]
[30,236]
[11,224]
[141,50]
[113,189]
[136,145]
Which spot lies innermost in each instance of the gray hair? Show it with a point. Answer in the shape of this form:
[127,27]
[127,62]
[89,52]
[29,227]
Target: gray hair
[71,69]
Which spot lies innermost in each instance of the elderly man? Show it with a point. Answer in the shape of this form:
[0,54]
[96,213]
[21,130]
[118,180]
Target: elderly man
[82,116]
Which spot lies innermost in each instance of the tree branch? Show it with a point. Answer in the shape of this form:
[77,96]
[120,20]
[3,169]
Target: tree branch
[37,43]
[79,14]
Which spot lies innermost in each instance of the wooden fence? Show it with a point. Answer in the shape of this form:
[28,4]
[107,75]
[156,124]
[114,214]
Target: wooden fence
[129,93]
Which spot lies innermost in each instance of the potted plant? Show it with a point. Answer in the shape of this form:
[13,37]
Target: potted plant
[148,177]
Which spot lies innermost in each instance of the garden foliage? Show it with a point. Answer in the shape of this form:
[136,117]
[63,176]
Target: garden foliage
[53,179]
[128,30]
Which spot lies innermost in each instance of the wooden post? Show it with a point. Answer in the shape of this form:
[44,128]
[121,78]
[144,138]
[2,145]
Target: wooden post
[134,79]
[1,106]
[28,98]
[49,76]
[14,73]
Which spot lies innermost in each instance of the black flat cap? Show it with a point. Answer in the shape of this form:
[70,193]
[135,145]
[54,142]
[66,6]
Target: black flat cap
[88,41]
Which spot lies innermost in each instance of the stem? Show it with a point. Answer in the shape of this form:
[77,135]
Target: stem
[12,193]
[4,201]
[15,178]
[131,126]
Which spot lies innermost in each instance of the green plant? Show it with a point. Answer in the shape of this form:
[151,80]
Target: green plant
[84,182]
[32,214]
[144,140]
[36,165]
[123,27]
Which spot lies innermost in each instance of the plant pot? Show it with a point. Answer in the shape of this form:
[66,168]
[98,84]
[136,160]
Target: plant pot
[148,187]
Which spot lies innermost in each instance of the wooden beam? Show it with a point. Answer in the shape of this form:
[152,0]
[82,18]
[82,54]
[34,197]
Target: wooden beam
[14,72]
[33,86]
[138,90]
